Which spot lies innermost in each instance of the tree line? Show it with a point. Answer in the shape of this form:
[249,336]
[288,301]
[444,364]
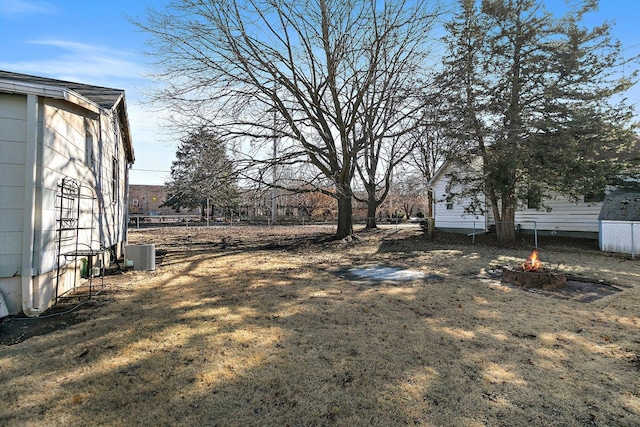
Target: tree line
[343,95]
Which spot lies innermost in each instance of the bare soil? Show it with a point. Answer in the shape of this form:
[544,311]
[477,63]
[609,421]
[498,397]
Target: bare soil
[242,326]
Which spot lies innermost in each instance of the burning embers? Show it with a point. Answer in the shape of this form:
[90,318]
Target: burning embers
[532,263]
[532,274]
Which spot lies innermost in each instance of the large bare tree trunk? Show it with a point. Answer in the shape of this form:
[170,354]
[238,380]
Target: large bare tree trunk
[431,221]
[345,211]
[372,205]
[371,217]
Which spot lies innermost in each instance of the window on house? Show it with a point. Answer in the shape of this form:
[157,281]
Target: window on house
[594,196]
[114,180]
[534,198]
[449,202]
[89,159]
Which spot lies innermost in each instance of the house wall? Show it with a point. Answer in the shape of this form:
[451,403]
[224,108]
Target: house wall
[563,215]
[62,155]
[559,216]
[454,219]
[13,137]
[82,145]
[73,142]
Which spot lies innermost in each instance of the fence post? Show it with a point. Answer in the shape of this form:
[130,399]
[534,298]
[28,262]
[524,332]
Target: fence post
[633,246]
[535,233]
[473,233]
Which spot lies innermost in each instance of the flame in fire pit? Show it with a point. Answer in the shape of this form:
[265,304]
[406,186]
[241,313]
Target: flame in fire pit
[532,263]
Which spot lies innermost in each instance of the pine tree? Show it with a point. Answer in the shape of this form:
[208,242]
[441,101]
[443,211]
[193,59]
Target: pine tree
[202,174]
[534,97]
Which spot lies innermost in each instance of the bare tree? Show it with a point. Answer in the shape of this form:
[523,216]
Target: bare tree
[433,143]
[410,192]
[392,109]
[297,72]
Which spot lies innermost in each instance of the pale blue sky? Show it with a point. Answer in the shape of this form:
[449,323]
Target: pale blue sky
[93,42]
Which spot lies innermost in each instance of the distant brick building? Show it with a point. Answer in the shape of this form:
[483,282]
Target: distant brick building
[145,200]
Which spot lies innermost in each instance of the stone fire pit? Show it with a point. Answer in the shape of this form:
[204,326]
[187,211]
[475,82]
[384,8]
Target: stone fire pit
[540,279]
[532,274]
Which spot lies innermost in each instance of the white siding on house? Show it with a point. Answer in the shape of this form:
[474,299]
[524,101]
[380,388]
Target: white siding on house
[10,253]
[13,106]
[560,214]
[563,215]
[63,156]
[12,152]
[13,134]
[13,131]
[114,207]
[456,217]
[12,175]
[11,197]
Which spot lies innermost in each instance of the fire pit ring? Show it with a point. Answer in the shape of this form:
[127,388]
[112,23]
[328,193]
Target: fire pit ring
[539,279]
[532,274]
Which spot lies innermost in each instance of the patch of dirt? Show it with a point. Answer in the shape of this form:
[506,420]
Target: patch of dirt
[15,329]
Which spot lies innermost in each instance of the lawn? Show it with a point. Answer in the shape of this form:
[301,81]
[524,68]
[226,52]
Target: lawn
[265,326]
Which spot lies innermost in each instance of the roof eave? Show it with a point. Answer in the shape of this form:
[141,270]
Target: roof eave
[121,107]
[436,176]
[47,91]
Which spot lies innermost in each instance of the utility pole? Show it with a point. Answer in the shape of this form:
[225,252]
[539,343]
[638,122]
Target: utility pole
[274,205]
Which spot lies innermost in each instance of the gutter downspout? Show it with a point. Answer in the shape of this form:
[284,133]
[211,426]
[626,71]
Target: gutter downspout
[29,208]
[125,225]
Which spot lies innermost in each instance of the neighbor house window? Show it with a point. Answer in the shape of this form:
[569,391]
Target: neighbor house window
[449,202]
[593,197]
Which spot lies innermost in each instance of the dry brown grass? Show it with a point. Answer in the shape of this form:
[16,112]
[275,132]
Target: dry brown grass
[244,326]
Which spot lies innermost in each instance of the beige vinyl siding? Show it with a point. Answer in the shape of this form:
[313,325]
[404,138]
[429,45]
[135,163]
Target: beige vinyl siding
[75,138]
[13,136]
[63,156]
[114,205]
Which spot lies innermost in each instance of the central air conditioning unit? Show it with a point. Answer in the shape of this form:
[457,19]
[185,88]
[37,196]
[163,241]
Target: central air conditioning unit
[140,257]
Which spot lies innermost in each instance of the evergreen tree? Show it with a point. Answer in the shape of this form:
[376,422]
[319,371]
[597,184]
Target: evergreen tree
[202,174]
[534,97]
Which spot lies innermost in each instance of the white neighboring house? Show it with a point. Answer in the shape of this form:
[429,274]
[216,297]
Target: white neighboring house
[65,152]
[559,215]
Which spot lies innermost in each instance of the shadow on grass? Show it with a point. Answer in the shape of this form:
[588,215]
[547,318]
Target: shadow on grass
[247,336]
